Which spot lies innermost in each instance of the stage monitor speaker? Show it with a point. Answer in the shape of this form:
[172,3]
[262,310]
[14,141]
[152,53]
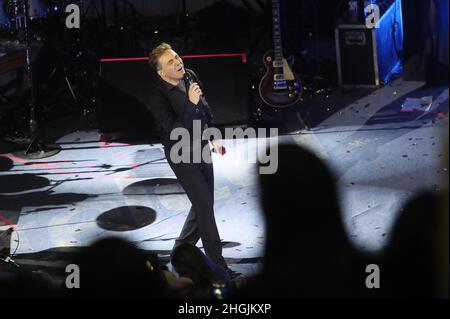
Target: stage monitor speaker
[121,92]
[124,89]
[226,86]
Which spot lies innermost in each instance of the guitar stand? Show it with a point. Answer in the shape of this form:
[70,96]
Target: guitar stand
[302,122]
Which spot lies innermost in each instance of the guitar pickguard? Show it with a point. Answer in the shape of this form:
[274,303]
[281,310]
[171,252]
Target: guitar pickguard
[287,71]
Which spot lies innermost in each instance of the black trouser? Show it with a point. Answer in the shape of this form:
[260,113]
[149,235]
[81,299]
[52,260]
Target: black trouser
[197,179]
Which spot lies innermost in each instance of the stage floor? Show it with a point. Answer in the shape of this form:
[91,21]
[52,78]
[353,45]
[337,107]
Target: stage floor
[92,189]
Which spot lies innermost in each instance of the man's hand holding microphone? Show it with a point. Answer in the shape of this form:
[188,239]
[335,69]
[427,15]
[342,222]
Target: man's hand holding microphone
[195,94]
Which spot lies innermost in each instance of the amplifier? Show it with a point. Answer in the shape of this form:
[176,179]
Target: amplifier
[369,56]
[125,82]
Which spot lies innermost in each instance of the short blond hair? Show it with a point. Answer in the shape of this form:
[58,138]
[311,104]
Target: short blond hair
[156,53]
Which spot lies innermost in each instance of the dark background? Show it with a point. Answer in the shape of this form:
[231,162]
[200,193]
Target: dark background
[67,73]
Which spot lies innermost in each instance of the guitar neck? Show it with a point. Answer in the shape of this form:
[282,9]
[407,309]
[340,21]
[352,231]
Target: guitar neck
[278,49]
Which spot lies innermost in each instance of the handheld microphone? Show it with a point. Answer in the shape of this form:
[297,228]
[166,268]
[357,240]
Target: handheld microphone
[188,80]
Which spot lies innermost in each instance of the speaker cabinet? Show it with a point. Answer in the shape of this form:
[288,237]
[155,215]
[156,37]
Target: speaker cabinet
[124,88]
[368,57]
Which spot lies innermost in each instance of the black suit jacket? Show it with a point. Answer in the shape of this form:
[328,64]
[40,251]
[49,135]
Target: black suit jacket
[171,108]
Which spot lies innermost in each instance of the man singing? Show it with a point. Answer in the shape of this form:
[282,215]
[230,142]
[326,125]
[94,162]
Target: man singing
[176,102]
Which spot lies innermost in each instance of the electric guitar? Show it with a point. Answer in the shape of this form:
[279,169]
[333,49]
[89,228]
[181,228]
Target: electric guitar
[279,87]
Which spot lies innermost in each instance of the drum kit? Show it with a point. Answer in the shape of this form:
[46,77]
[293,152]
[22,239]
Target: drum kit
[21,31]
[56,68]
[47,69]
[13,15]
